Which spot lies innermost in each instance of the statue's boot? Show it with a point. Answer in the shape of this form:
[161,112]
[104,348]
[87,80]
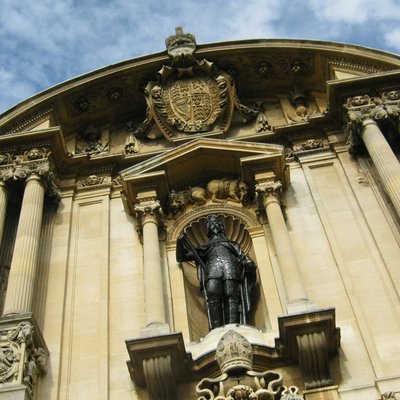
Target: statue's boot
[232,315]
[216,313]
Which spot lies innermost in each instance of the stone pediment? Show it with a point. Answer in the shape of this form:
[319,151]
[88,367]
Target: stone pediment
[201,160]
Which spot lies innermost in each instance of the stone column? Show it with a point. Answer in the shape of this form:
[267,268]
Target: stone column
[385,161]
[3,206]
[268,191]
[363,115]
[149,212]
[23,266]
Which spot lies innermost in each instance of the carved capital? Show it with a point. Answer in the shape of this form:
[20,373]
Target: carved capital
[268,190]
[23,354]
[36,161]
[148,210]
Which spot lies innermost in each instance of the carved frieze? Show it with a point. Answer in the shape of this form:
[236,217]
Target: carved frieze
[216,191]
[93,182]
[310,145]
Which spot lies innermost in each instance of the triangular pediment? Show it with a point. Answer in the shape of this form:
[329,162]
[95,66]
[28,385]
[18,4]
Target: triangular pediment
[199,161]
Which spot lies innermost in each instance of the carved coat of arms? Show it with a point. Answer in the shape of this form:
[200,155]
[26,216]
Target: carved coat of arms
[190,96]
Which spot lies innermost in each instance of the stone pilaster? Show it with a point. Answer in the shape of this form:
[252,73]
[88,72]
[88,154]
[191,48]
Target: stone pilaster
[3,206]
[364,115]
[268,192]
[23,266]
[149,213]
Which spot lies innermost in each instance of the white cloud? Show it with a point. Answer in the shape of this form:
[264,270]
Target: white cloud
[46,42]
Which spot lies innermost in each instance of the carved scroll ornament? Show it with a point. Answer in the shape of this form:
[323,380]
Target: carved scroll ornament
[237,380]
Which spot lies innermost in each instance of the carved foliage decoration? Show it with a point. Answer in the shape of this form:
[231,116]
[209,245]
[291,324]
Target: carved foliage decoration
[20,361]
[383,109]
[18,167]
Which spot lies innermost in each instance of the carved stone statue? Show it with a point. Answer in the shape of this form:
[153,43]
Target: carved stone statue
[227,276]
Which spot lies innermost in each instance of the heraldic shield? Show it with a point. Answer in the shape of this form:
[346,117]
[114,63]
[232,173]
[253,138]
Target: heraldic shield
[191,104]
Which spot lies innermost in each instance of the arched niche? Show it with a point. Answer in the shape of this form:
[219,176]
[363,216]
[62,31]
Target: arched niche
[240,224]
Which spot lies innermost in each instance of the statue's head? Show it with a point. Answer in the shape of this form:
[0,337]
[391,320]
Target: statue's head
[214,226]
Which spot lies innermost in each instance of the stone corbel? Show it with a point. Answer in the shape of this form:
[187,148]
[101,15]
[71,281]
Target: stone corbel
[313,359]
[160,379]
[23,356]
[159,363]
[310,338]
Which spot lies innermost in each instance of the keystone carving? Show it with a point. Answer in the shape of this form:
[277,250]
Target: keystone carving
[300,109]
[90,142]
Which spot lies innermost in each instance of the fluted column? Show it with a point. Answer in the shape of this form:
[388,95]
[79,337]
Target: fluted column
[23,266]
[268,191]
[364,114]
[385,161]
[148,210]
[3,207]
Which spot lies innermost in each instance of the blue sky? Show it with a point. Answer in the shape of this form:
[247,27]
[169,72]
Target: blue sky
[45,42]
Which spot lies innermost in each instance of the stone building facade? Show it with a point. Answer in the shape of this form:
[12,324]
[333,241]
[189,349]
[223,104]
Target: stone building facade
[292,145]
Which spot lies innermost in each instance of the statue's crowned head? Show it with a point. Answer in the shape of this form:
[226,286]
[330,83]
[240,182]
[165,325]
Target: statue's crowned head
[214,226]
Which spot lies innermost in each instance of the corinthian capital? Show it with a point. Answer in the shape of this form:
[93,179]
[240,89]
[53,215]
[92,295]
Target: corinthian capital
[148,207]
[268,189]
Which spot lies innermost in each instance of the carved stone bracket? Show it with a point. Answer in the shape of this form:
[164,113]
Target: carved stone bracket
[310,338]
[23,354]
[313,357]
[35,161]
